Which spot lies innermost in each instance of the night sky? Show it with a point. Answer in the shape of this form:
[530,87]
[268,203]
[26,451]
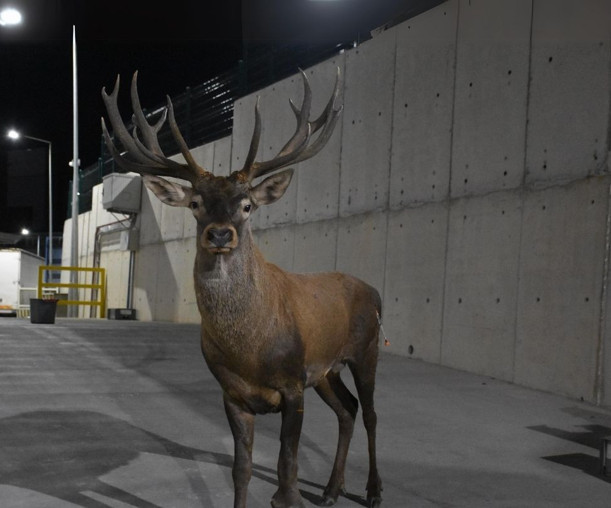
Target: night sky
[174,45]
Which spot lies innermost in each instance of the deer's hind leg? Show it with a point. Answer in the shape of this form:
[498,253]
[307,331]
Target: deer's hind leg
[363,370]
[335,394]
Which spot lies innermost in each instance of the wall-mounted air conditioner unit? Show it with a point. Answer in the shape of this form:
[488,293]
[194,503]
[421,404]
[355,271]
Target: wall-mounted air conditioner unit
[121,192]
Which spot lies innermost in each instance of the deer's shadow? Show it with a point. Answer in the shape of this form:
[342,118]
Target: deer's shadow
[64,454]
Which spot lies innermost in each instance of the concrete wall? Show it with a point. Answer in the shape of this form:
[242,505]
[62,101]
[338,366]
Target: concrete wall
[468,180]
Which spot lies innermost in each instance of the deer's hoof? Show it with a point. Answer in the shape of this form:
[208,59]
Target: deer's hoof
[328,501]
[374,502]
[290,499]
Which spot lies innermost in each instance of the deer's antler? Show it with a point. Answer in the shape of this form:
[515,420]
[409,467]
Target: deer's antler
[146,156]
[299,147]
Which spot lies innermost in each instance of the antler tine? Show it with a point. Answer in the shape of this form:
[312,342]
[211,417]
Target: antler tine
[148,132]
[298,148]
[118,127]
[254,142]
[184,149]
[145,157]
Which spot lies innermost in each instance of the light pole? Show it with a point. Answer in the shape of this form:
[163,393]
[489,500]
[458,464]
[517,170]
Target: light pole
[13,134]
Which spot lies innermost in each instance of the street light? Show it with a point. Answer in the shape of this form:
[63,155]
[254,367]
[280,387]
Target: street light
[10,17]
[14,135]
[26,232]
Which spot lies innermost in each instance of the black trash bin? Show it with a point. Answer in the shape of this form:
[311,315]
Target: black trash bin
[42,311]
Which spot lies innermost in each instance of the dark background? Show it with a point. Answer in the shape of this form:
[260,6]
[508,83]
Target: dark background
[173,46]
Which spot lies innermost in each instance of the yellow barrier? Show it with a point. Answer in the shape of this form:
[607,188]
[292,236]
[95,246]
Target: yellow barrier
[101,286]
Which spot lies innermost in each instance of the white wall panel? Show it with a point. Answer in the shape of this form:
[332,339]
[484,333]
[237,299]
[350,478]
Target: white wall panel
[361,248]
[277,245]
[414,282]
[560,286]
[175,294]
[116,263]
[569,91]
[315,246]
[481,285]
[423,105]
[366,125]
[222,157]
[490,96]
[145,281]
[204,156]
[149,219]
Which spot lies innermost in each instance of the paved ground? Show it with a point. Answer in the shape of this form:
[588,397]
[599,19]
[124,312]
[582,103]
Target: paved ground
[120,413]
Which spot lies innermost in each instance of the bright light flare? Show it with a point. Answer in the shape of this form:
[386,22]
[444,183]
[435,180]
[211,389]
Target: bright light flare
[10,17]
[13,134]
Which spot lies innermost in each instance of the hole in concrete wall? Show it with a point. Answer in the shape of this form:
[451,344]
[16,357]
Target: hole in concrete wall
[550,58]
[509,72]
[396,298]
[538,299]
[593,201]
[410,350]
[466,180]
[405,105]
[400,225]
[428,300]
[498,300]
[543,207]
[587,299]
[460,300]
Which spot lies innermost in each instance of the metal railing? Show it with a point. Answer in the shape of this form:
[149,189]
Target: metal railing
[97,286]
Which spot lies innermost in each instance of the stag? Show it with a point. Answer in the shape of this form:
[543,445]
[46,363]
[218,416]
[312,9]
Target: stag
[266,334]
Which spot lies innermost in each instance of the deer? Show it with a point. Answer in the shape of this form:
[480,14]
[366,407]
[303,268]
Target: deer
[266,334]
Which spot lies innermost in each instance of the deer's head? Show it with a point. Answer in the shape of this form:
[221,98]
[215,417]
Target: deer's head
[221,205]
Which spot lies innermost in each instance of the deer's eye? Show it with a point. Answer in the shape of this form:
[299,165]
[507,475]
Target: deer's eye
[193,205]
[247,208]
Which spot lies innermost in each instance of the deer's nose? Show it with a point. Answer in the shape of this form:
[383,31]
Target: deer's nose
[219,237]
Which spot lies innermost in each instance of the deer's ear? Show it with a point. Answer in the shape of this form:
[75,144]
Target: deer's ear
[170,193]
[272,188]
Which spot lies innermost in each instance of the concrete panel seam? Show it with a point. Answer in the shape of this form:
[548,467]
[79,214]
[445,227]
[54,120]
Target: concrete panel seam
[528,82]
[522,195]
[599,378]
[382,290]
[452,115]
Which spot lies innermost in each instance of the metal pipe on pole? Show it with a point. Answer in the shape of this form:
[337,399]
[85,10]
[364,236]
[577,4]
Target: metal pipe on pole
[50,260]
[75,178]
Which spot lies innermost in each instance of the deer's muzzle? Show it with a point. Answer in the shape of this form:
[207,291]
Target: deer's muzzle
[219,238]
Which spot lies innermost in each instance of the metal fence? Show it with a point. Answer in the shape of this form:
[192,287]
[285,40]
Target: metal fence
[204,113]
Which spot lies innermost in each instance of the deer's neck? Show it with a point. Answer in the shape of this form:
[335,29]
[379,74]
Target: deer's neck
[230,288]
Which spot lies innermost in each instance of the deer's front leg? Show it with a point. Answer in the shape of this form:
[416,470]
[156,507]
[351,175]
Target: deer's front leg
[287,495]
[242,425]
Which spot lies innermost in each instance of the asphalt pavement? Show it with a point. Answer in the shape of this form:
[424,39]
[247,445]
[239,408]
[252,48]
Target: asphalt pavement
[104,413]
